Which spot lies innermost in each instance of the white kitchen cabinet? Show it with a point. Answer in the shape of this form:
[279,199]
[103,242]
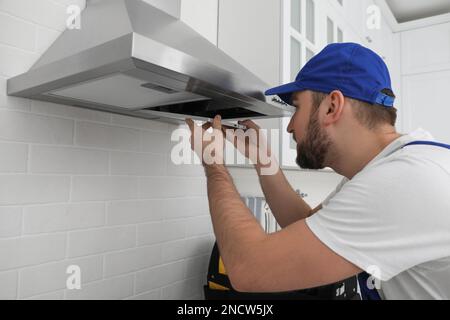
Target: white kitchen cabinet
[426,79]
[202,16]
[170,6]
[250,32]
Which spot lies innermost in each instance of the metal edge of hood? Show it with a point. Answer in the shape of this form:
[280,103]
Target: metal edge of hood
[138,53]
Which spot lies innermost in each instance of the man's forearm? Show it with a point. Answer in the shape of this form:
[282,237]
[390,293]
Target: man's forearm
[236,230]
[286,205]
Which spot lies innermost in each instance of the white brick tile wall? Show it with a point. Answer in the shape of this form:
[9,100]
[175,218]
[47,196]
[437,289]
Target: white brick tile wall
[14,157]
[51,159]
[27,127]
[151,295]
[55,295]
[138,164]
[31,250]
[132,260]
[87,188]
[52,276]
[160,276]
[28,189]
[133,212]
[171,187]
[112,288]
[93,189]
[107,137]
[10,221]
[62,217]
[8,287]
[69,112]
[17,32]
[182,289]
[14,61]
[88,242]
[15,103]
[156,232]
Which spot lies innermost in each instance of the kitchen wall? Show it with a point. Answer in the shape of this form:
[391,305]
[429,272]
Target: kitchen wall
[86,188]
[81,187]
[426,79]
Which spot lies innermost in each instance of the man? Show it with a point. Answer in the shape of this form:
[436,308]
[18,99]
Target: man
[390,216]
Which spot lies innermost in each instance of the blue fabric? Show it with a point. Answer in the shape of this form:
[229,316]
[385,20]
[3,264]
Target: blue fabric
[356,71]
[429,143]
[372,294]
[366,293]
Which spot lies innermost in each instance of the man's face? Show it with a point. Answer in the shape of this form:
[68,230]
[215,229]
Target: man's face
[313,142]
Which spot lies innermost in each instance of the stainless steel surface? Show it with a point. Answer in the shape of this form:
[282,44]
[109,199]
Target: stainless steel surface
[132,58]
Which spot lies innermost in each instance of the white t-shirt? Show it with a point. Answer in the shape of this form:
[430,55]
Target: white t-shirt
[392,219]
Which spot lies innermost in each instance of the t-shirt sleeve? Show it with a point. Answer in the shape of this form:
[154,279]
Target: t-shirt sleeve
[382,220]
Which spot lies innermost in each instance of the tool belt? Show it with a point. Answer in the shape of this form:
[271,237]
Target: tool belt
[218,287]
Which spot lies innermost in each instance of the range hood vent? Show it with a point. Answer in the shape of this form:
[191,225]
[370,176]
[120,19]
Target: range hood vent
[134,59]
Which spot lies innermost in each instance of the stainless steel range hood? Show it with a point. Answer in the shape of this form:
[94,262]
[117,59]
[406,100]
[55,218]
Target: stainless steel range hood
[132,58]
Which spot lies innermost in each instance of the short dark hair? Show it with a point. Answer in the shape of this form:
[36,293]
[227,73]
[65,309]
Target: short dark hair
[369,115]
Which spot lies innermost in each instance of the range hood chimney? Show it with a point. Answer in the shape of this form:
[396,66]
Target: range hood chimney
[134,59]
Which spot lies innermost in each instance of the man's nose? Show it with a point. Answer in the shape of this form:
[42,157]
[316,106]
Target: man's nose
[290,128]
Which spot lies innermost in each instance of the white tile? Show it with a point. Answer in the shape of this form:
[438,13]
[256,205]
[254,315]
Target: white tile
[53,276]
[60,217]
[155,142]
[14,157]
[57,295]
[10,221]
[29,189]
[186,207]
[61,110]
[140,164]
[171,187]
[108,137]
[139,123]
[14,61]
[17,33]
[19,8]
[181,249]
[183,289]
[94,241]
[20,252]
[135,211]
[87,188]
[184,170]
[20,126]
[156,232]
[160,276]
[50,14]
[197,266]
[150,295]
[198,226]
[8,287]
[132,260]
[52,159]
[109,289]
[9,102]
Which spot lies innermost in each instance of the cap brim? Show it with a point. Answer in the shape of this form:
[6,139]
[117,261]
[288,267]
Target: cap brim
[285,91]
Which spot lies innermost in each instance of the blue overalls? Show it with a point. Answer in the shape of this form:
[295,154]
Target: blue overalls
[372,294]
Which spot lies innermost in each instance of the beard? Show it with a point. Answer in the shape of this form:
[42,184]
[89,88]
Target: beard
[312,151]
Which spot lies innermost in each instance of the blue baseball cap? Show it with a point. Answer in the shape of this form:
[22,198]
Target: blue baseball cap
[356,71]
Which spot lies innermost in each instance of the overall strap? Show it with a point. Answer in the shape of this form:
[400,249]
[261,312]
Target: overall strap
[428,143]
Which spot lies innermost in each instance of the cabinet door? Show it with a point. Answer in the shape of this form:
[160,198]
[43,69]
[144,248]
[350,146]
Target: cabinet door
[202,16]
[250,32]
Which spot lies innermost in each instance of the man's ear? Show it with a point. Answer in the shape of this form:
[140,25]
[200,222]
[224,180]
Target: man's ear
[334,107]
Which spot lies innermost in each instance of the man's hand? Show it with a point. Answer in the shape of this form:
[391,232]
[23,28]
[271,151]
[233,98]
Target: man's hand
[208,144]
[252,143]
